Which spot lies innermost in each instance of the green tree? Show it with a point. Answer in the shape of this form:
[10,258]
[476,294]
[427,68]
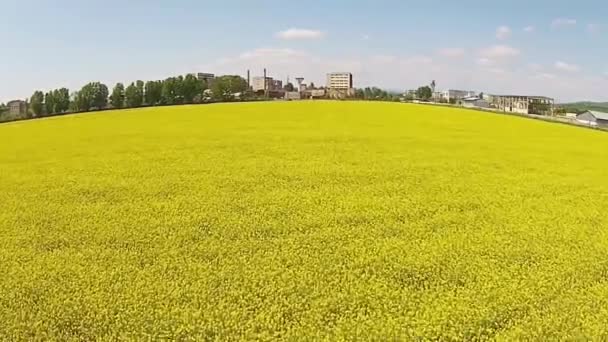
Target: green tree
[133,96]
[179,90]
[225,87]
[49,103]
[62,100]
[100,95]
[37,103]
[191,87]
[141,90]
[377,93]
[360,94]
[117,99]
[153,92]
[92,96]
[77,103]
[424,93]
[289,87]
[169,91]
[367,93]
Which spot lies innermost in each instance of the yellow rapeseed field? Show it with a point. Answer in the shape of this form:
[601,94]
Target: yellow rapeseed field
[302,221]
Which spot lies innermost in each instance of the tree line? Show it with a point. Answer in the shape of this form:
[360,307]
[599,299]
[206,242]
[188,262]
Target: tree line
[177,90]
[375,94]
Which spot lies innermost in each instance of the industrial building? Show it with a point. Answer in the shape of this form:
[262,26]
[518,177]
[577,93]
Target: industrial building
[455,95]
[293,95]
[593,118]
[277,85]
[474,102]
[271,84]
[521,104]
[17,107]
[314,93]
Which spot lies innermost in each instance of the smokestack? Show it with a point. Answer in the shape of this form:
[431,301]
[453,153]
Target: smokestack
[265,87]
[248,80]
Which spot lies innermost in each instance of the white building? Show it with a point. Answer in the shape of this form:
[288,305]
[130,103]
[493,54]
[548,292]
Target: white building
[453,94]
[340,80]
[340,85]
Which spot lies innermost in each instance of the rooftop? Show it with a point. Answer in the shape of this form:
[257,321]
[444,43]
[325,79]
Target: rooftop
[527,96]
[598,115]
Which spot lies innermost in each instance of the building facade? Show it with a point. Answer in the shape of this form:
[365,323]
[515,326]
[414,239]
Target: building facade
[293,95]
[17,107]
[520,104]
[314,93]
[454,94]
[340,80]
[271,84]
[276,85]
[340,85]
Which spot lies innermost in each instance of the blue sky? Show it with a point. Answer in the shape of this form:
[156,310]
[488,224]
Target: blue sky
[555,48]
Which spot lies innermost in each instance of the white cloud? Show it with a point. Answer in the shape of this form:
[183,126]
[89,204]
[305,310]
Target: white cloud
[503,32]
[452,52]
[562,22]
[296,33]
[529,29]
[563,66]
[366,37]
[499,52]
[593,28]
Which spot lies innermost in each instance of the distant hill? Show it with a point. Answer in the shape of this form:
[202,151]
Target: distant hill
[579,107]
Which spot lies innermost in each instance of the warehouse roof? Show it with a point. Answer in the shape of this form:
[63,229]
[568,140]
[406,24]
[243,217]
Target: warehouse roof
[598,115]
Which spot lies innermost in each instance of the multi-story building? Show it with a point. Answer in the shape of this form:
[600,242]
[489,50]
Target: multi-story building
[17,107]
[259,83]
[271,84]
[340,80]
[340,85]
